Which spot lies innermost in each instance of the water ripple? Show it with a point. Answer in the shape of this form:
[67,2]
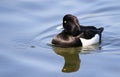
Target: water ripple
[44,38]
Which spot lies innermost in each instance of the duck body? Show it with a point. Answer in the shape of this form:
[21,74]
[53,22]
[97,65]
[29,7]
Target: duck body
[85,38]
[90,35]
[75,34]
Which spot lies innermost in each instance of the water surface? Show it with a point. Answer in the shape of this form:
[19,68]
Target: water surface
[26,30]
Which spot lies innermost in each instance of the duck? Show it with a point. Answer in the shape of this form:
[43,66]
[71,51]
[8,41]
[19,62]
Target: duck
[74,34]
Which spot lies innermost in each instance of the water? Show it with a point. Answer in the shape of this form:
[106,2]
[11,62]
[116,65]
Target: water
[26,30]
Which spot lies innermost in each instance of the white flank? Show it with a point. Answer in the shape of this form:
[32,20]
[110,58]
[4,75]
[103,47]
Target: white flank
[87,42]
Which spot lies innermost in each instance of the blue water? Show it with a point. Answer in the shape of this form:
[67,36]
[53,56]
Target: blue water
[26,30]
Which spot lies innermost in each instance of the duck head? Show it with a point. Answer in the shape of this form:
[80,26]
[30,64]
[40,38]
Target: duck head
[71,24]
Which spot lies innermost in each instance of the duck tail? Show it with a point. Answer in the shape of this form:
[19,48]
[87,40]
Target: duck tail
[100,29]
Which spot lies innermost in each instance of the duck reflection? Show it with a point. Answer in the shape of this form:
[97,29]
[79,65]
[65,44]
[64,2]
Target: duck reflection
[72,56]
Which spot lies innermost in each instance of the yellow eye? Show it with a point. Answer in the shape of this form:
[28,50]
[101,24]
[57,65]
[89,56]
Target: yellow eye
[65,21]
[64,69]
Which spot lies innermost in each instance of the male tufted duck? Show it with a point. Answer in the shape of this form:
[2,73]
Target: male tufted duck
[75,34]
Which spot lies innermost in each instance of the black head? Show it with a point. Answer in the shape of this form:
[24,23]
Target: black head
[71,24]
